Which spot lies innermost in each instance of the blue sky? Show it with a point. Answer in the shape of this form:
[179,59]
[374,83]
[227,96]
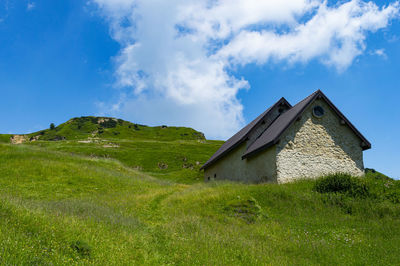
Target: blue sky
[156,63]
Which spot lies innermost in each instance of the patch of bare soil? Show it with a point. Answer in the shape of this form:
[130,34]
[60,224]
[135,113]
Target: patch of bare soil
[162,165]
[18,139]
[110,145]
[85,141]
[90,140]
[102,120]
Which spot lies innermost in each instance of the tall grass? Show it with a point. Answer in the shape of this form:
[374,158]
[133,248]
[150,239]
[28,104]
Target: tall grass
[5,138]
[182,158]
[63,208]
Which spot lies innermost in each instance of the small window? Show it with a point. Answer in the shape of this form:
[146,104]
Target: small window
[280,110]
[215,176]
[208,178]
[318,111]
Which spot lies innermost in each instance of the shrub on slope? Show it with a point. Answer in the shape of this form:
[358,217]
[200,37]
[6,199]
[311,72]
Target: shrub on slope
[342,183]
[373,185]
[372,195]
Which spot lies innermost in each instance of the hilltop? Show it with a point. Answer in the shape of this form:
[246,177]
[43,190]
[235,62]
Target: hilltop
[107,127]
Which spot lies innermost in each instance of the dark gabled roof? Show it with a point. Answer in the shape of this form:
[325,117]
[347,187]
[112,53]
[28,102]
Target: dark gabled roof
[242,135]
[272,134]
[274,131]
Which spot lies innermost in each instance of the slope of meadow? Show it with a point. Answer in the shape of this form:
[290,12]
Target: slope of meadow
[174,153]
[82,203]
[5,138]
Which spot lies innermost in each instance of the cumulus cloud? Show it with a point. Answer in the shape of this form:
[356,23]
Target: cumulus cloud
[336,35]
[178,57]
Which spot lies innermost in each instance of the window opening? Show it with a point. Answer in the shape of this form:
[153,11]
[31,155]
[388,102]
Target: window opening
[318,111]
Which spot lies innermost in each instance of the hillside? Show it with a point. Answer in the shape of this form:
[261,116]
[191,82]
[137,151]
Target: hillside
[174,153]
[63,208]
[108,127]
[109,199]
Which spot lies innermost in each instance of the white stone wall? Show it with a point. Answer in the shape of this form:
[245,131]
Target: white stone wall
[312,147]
[261,168]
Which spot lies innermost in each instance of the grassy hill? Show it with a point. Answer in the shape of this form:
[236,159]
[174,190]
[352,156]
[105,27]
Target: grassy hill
[174,153]
[107,200]
[108,127]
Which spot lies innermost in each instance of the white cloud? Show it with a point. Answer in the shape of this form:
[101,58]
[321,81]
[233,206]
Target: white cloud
[30,6]
[334,35]
[380,52]
[178,56]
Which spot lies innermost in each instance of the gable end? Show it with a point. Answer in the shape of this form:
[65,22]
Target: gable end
[272,135]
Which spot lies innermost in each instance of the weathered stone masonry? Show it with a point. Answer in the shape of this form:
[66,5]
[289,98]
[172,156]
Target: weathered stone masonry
[315,146]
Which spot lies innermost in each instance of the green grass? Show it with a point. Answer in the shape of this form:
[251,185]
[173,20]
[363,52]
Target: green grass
[65,203]
[107,127]
[5,138]
[171,153]
[113,192]
[178,160]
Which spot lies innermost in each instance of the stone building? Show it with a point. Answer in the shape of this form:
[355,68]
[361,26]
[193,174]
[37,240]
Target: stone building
[311,139]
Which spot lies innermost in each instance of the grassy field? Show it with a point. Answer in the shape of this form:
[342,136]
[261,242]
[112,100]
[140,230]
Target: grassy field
[71,202]
[178,160]
[5,138]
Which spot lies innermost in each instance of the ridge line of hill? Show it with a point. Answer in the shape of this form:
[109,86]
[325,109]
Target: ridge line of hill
[93,127]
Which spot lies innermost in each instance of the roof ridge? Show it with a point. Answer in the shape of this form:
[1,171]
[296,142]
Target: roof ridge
[242,134]
[268,126]
[256,146]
